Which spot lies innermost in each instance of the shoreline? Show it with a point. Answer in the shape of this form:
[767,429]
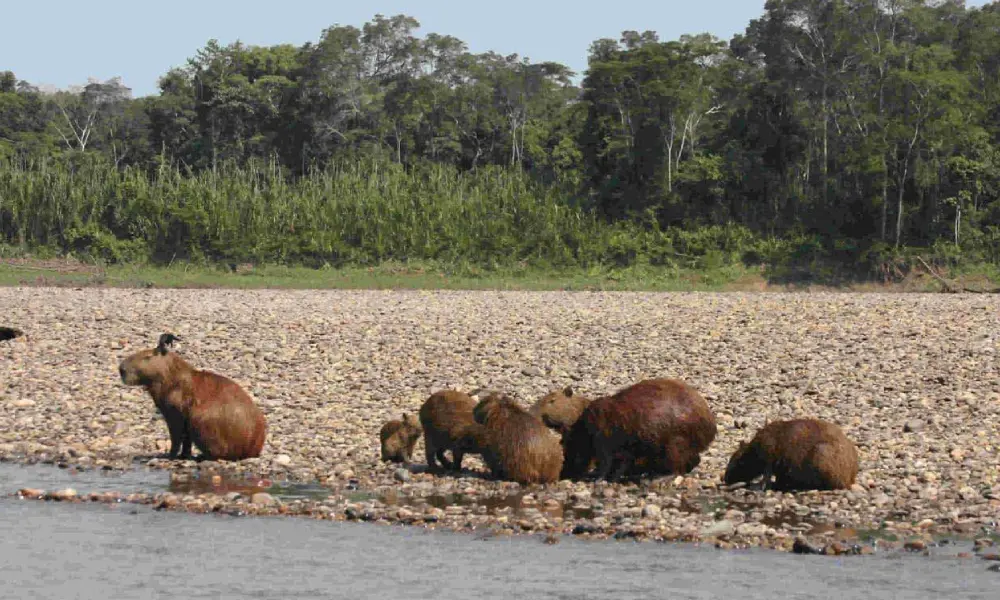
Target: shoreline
[506,508]
[920,397]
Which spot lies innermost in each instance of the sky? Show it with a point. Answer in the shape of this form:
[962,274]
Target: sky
[63,42]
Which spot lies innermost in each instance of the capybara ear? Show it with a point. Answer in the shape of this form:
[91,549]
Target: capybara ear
[568,392]
[166,340]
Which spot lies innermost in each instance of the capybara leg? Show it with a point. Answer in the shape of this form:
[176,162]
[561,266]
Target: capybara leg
[431,453]
[765,482]
[456,459]
[186,445]
[605,461]
[175,426]
[444,459]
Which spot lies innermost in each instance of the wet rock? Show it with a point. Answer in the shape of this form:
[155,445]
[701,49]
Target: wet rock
[915,546]
[263,499]
[30,493]
[64,495]
[801,546]
[719,528]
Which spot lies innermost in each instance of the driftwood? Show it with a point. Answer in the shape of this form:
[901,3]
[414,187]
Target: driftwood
[949,286]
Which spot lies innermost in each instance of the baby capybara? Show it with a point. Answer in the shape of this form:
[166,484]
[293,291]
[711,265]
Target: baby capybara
[516,445]
[801,454]
[448,425]
[202,407]
[660,425]
[399,437]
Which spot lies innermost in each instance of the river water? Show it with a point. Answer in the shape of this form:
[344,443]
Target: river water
[53,550]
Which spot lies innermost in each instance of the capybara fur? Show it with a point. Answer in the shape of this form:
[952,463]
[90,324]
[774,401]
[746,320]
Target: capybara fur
[200,407]
[560,409]
[657,426]
[398,437]
[801,454]
[517,446]
[448,425]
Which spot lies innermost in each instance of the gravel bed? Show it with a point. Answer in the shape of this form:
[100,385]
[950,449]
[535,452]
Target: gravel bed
[913,379]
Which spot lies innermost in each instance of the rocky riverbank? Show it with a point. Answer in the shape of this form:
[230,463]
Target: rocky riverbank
[914,379]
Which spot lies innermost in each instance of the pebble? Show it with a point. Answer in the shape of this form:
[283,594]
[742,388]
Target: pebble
[329,367]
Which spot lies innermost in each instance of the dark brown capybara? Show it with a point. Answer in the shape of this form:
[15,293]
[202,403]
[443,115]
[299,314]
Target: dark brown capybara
[801,454]
[9,333]
[516,445]
[561,409]
[655,426]
[446,417]
[202,407]
[398,438]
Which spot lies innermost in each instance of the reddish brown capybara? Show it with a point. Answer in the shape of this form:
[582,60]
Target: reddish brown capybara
[446,417]
[801,454]
[560,409]
[202,407]
[398,438]
[516,445]
[656,426]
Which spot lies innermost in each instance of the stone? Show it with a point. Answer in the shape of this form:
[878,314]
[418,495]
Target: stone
[263,499]
[719,528]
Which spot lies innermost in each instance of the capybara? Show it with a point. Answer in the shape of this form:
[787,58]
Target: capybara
[9,333]
[560,409]
[199,406]
[801,454]
[657,425]
[399,437]
[516,445]
[448,425]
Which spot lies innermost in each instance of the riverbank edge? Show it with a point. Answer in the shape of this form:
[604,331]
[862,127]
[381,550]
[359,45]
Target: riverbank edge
[347,504]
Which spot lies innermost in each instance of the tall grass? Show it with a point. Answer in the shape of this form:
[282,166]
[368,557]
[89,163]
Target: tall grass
[358,212]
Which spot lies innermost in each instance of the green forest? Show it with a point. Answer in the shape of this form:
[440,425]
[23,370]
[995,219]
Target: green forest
[829,136]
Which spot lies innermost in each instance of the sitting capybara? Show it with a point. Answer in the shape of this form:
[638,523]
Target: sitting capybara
[448,425]
[801,454]
[516,445]
[199,406]
[656,425]
[399,437]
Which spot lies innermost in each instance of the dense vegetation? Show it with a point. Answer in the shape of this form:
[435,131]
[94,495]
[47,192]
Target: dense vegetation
[830,131]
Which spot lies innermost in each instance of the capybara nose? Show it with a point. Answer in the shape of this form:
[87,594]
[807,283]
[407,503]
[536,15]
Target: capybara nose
[121,372]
